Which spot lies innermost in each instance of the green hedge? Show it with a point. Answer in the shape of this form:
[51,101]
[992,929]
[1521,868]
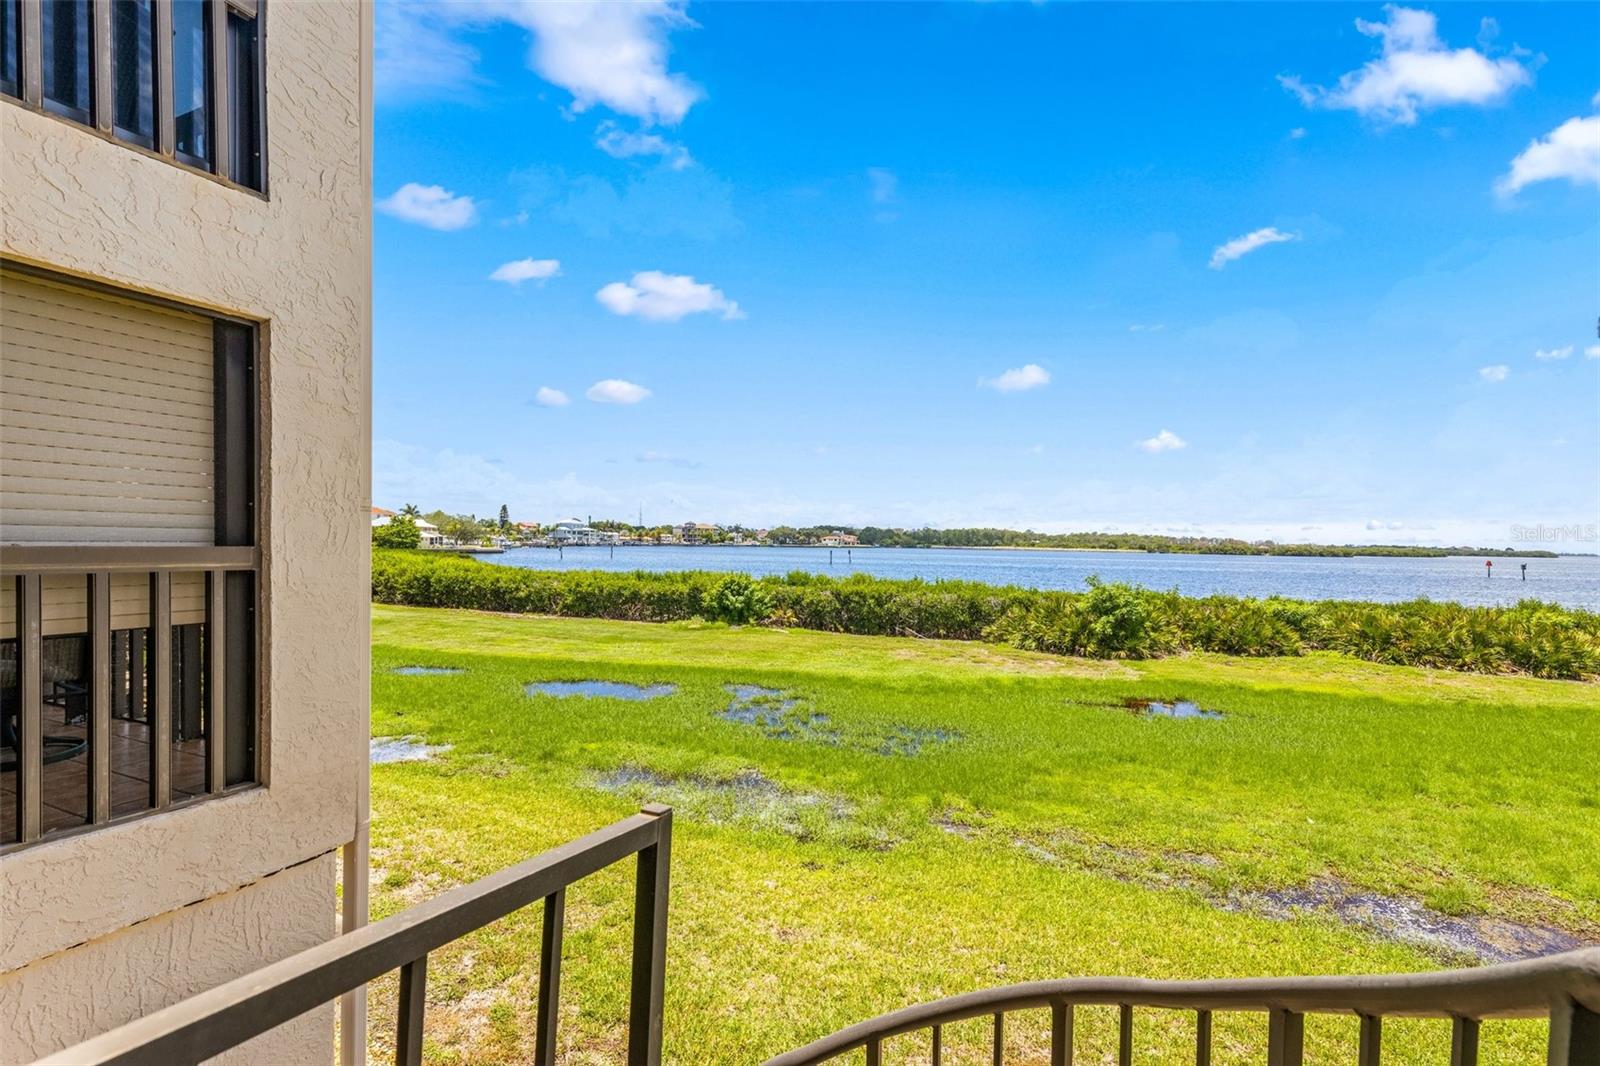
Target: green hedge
[1107,621]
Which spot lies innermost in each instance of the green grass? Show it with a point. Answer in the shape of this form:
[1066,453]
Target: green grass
[1053,835]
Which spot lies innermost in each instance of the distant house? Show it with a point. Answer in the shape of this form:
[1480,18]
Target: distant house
[832,540]
[431,537]
[849,540]
[570,532]
[381,517]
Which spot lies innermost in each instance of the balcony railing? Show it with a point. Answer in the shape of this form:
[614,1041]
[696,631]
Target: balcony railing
[1565,988]
[228,1015]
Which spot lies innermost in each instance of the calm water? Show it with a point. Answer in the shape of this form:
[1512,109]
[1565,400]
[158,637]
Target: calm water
[1571,580]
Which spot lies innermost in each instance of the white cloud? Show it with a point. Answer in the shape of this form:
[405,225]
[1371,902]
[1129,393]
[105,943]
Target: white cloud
[1570,151]
[431,206]
[615,390]
[414,52]
[1018,379]
[1165,441]
[519,270]
[1497,373]
[1414,71]
[1243,246]
[885,185]
[1548,354]
[548,397]
[619,143]
[1298,133]
[658,297]
[614,54]
[1592,352]
[1147,327]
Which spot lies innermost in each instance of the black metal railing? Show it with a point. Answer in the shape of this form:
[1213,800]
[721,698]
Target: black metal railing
[1565,988]
[228,1015]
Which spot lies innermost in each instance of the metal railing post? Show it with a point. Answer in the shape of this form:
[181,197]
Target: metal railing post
[413,1006]
[1202,1038]
[1125,1035]
[1574,1035]
[1371,1048]
[1286,1038]
[544,1037]
[1464,1042]
[1060,1034]
[650,942]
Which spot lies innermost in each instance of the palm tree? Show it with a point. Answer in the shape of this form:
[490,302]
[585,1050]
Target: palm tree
[411,510]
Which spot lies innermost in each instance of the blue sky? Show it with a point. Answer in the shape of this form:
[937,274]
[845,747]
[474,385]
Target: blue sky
[1303,271]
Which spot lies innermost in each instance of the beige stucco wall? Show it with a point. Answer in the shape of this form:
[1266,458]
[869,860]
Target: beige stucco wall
[131,973]
[299,261]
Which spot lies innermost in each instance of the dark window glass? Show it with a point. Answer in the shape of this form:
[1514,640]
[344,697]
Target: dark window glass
[191,725]
[244,85]
[10,736]
[133,71]
[64,32]
[64,792]
[11,47]
[191,81]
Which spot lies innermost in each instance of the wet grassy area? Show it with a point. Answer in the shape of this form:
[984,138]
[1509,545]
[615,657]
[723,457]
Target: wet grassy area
[1031,822]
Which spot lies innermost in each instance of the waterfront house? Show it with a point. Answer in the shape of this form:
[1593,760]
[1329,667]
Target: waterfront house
[183,618]
[381,517]
[571,532]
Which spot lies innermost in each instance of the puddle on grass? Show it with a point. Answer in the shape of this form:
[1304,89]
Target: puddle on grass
[403,749]
[781,715]
[1173,709]
[427,671]
[1452,938]
[610,690]
[747,797]
[1410,922]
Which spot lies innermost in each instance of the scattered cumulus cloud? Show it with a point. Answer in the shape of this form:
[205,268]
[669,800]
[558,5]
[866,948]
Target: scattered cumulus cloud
[1414,71]
[519,270]
[1242,246]
[548,397]
[619,143]
[431,206]
[884,184]
[1570,151]
[415,53]
[1549,354]
[1147,327]
[1297,134]
[617,391]
[610,54]
[1592,352]
[1494,374]
[658,297]
[1018,379]
[1165,441]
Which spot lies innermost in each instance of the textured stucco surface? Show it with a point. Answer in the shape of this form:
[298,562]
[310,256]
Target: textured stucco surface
[299,261]
[45,1007]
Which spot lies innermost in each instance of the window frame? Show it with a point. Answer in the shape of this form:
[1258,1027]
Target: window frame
[101,118]
[235,763]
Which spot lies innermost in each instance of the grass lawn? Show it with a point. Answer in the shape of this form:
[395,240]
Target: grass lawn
[912,819]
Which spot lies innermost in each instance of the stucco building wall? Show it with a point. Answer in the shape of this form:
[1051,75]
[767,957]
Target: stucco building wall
[297,260]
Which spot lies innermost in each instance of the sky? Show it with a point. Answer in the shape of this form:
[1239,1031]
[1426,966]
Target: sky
[1313,272]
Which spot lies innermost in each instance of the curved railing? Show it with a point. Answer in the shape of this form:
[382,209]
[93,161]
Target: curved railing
[1565,988]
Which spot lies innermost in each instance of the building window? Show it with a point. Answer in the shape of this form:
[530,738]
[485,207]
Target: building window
[244,98]
[11,47]
[133,71]
[128,558]
[64,32]
[191,82]
[184,78]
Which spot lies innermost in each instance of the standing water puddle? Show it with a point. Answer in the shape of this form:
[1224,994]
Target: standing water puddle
[1175,709]
[403,749]
[611,690]
[781,716]
[427,671]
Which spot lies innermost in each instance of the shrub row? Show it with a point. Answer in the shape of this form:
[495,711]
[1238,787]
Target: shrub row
[1107,621]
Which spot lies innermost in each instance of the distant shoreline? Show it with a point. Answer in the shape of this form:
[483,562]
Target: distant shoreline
[1333,551]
